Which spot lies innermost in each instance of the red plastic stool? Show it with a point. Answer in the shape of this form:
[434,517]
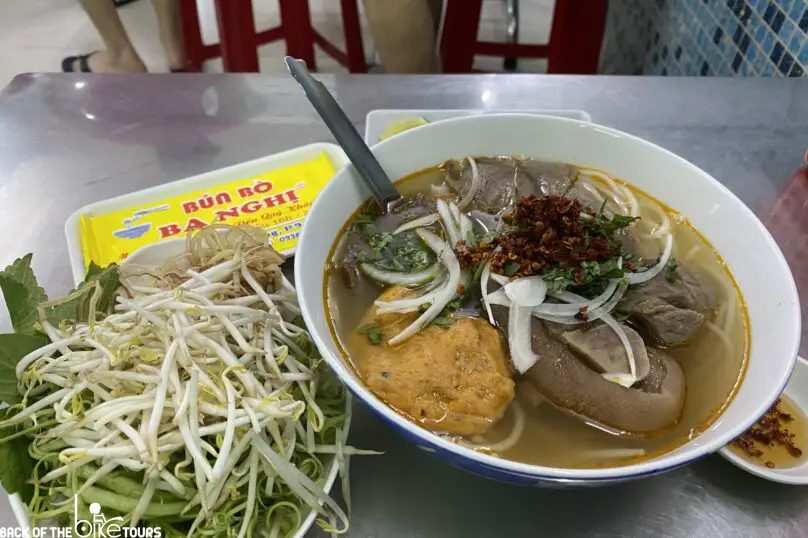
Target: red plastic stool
[576,36]
[239,39]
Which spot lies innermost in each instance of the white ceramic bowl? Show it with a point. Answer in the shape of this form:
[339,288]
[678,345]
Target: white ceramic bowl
[744,243]
[154,255]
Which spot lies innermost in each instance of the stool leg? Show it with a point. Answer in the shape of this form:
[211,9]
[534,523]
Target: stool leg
[459,37]
[512,7]
[576,36]
[353,37]
[237,35]
[296,21]
[192,35]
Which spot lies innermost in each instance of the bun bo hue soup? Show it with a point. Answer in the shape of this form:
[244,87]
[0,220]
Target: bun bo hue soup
[539,312]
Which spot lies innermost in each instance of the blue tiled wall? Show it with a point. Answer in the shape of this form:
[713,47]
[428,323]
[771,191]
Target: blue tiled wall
[707,37]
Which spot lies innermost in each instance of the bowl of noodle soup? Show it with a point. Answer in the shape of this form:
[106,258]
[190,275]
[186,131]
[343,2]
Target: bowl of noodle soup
[659,267]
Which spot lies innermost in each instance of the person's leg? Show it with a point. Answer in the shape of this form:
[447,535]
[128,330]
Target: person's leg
[404,33]
[119,56]
[170,27]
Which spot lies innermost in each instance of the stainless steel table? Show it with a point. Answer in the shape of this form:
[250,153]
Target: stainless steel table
[66,140]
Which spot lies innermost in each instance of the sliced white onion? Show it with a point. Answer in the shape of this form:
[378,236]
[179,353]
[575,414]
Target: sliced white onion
[645,276]
[455,211]
[426,220]
[634,207]
[409,302]
[447,293]
[466,229]
[591,315]
[499,298]
[452,230]
[621,378]
[473,188]
[499,279]
[484,276]
[577,302]
[402,279]
[519,338]
[527,291]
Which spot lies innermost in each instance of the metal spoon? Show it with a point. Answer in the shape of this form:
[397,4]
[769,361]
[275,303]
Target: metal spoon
[343,130]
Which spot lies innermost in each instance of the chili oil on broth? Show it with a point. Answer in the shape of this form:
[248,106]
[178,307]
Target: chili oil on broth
[713,363]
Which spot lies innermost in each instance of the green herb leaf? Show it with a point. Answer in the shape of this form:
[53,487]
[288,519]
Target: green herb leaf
[443,322]
[362,219]
[670,272]
[18,465]
[511,268]
[371,330]
[620,221]
[76,305]
[14,347]
[22,294]
[619,316]
[298,321]
[478,272]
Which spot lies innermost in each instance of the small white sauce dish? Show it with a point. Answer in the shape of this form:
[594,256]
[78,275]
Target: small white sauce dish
[797,392]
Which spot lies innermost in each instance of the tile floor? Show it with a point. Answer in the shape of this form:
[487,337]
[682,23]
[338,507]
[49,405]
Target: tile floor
[36,34]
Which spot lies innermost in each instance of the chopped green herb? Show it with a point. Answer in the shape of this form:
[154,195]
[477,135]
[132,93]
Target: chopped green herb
[619,221]
[371,330]
[478,271]
[511,268]
[362,219]
[488,237]
[403,252]
[443,322]
[619,316]
[670,272]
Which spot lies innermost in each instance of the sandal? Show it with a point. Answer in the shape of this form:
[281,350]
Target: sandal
[84,64]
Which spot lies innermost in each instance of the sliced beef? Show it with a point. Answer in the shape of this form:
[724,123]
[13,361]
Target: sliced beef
[566,381]
[505,179]
[602,350]
[497,189]
[543,178]
[670,312]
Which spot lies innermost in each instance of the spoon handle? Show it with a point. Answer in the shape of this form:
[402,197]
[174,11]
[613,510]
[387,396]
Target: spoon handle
[343,130]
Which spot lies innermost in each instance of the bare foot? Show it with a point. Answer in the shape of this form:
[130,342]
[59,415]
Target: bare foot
[103,61]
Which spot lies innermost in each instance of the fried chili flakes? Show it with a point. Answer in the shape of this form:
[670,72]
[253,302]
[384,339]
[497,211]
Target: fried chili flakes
[544,232]
[769,431]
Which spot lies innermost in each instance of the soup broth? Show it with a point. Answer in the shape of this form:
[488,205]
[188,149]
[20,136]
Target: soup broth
[534,430]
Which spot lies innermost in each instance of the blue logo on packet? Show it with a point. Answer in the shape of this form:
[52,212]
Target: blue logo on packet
[133,232]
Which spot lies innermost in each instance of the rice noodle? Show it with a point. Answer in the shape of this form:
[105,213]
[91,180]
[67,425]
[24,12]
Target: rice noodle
[634,206]
[473,188]
[511,439]
[720,333]
[614,453]
[611,190]
[591,190]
